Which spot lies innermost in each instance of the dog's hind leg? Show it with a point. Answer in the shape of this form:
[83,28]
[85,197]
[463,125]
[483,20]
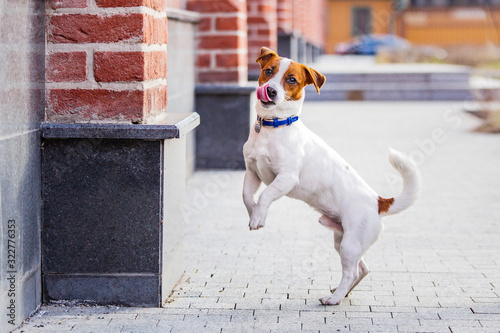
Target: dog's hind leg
[363,271]
[350,254]
[354,269]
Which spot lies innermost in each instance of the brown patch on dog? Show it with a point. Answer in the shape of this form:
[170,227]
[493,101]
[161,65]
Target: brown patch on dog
[297,77]
[269,61]
[315,77]
[384,204]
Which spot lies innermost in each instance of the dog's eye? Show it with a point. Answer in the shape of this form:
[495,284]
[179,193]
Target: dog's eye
[292,80]
[268,72]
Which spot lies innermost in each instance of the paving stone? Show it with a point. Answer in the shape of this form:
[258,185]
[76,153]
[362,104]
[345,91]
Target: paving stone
[94,329]
[458,329]
[393,309]
[422,329]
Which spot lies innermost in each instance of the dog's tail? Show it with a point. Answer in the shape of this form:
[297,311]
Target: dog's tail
[411,185]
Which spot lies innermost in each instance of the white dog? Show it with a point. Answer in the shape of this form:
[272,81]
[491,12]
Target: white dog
[293,161]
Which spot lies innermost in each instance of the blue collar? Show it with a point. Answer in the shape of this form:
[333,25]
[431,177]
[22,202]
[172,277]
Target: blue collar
[276,122]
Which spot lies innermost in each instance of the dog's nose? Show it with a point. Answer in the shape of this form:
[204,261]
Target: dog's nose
[271,92]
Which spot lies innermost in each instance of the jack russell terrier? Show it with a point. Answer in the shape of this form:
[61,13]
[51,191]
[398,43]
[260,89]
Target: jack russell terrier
[284,154]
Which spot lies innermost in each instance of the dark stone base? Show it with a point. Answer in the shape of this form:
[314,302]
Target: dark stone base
[111,225]
[226,113]
[114,289]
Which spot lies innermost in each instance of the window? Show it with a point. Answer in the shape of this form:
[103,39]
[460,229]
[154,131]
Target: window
[361,21]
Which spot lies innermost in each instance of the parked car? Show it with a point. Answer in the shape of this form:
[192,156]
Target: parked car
[370,44]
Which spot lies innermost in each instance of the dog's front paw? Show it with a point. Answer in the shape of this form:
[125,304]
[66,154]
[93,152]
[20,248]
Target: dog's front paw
[256,222]
[330,300]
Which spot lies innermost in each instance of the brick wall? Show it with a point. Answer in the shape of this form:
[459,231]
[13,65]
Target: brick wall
[106,60]
[285,15]
[262,28]
[303,17]
[222,40]
[315,25]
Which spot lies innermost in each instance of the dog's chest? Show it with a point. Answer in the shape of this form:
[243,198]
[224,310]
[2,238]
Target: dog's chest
[261,156]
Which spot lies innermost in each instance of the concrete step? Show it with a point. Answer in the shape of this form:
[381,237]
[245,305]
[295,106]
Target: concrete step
[390,92]
[395,77]
[364,79]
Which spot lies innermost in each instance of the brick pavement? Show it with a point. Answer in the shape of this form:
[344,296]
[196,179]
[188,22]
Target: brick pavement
[436,267]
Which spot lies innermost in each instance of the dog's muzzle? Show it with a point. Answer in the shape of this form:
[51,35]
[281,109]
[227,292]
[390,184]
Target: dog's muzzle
[262,93]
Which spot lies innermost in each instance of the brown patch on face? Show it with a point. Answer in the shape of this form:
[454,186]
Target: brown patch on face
[269,70]
[297,77]
[269,64]
[294,81]
[384,204]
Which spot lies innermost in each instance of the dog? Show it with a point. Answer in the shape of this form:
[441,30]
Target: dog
[291,160]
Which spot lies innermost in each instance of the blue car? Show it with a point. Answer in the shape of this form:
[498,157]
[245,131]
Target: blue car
[370,44]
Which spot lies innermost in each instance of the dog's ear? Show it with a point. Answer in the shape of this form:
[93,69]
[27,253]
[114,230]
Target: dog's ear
[265,55]
[314,77]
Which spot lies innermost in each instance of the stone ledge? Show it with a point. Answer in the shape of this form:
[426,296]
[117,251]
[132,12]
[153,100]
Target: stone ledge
[183,15]
[174,126]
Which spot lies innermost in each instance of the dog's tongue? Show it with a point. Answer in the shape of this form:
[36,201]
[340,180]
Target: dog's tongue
[262,93]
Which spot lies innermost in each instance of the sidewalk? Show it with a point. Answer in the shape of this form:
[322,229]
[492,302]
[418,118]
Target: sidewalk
[436,267]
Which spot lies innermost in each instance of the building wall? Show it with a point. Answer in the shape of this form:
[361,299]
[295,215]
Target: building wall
[106,61]
[181,74]
[262,29]
[21,112]
[459,25]
[222,46]
[308,20]
[340,19]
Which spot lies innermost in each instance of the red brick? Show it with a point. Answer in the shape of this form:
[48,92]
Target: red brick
[260,43]
[129,66]
[203,60]
[78,28]
[66,67]
[230,23]
[155,4]
[215,76]
[155,66]
[231,59]
[86,28]
[220,42]
[205,24]
[256,19]
[155,30]
[84,104]
[155,100]
[105,105]
[266,9]
[266,32]
[55,4]
[119,66]
[218,6]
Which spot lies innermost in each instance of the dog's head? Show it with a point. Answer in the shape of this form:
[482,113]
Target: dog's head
[282,81]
